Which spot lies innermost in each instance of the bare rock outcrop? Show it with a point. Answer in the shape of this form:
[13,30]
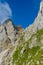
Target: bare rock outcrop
[37,25]
[9,34]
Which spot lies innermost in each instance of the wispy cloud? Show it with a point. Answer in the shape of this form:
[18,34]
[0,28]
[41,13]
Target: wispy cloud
[5,11]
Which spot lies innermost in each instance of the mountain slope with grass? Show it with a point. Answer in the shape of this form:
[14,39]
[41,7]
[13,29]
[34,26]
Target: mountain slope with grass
[19,46]
[29,52]
[29,48]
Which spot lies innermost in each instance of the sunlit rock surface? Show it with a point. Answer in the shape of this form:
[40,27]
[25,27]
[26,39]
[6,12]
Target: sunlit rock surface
[26,49]
[29,49]
[9,34]
[38,24]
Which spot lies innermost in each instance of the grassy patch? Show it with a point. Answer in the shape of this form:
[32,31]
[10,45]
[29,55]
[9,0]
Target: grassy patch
[30,56]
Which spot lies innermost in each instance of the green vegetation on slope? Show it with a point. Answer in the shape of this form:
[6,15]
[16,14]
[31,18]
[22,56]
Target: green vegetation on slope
[24,55]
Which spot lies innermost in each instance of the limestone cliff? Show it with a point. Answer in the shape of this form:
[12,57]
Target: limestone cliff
[26,49]
[9,34]
[29,49]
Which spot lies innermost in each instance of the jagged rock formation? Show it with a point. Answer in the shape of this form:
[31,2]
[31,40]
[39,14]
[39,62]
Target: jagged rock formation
[29,49]
[7,30]
[8,37]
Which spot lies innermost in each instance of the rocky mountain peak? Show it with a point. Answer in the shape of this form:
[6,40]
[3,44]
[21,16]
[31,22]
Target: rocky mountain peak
[26,49]
[9,34]
[8,30]
[29,50]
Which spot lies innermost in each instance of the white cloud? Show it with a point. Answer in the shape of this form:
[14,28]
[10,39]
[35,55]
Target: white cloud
[5,11]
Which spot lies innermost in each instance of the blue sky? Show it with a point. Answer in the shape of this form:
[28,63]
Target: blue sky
[23,11]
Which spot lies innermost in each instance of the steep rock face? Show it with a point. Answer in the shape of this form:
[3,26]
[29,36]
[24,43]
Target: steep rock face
[38,24]
[8,31]
[8,37]
[29,50]
[9,34]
